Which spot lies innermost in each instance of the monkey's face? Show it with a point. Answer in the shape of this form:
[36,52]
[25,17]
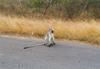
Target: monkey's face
[52,31]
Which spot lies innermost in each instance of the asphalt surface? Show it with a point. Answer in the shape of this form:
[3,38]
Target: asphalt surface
[64,55]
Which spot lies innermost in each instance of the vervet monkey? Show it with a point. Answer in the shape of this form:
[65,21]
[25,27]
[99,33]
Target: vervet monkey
[49,38]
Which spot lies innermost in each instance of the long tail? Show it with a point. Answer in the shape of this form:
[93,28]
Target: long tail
[33,46]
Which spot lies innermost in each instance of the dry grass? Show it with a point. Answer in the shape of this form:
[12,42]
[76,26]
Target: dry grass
[77,30]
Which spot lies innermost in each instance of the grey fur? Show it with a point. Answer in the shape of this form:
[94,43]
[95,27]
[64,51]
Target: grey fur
[49,38]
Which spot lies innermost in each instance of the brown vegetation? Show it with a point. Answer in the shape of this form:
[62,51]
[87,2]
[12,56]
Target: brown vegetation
[88,31]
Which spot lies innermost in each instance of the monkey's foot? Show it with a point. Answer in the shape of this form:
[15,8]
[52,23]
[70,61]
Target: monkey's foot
[51,45]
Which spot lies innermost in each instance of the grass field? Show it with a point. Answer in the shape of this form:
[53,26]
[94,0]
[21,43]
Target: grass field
[87,31]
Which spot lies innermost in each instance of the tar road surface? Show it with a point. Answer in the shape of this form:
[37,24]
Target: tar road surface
[64,55]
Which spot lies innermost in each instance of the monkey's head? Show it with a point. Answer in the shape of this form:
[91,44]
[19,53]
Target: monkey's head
[51,30]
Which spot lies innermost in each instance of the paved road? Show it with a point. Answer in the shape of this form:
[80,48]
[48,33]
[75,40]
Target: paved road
[65,55]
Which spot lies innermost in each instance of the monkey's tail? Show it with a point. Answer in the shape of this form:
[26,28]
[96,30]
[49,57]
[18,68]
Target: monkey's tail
[26,47]
[33,46]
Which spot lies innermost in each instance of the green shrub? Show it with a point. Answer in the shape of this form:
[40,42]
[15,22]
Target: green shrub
[59,8]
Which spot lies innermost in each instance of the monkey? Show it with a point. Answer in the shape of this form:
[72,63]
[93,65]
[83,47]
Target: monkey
[49,38]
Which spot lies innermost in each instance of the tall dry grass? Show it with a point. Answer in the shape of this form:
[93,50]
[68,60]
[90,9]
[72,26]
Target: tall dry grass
[88,31]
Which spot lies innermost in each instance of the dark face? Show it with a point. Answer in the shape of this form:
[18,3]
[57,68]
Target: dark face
[52,31]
